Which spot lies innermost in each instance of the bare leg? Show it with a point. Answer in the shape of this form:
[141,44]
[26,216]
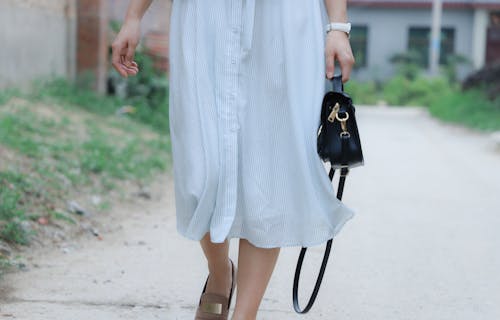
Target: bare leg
[255,266]
[219,266]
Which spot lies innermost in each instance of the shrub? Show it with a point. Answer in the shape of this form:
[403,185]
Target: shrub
[362,92]
[470,107]
[420,91]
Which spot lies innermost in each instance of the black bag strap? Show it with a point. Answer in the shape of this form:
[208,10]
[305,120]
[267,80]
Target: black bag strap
[340,190]
[336,83]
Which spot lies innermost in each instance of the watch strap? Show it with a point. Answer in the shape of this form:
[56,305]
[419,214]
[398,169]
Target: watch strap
[340,26]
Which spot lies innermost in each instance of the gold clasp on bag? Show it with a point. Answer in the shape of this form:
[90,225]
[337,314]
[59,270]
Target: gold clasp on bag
[333,114]
[343,123]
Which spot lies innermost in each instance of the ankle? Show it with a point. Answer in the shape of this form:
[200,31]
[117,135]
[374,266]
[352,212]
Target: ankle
[220,270]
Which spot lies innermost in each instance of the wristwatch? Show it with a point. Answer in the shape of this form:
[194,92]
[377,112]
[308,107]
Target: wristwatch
[346,27]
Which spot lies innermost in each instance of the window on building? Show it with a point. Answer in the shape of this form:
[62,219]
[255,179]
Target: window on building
[418,42]
[493,38]
[359,44]
[495,19]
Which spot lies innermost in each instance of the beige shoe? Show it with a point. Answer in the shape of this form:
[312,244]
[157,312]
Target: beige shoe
[214,306]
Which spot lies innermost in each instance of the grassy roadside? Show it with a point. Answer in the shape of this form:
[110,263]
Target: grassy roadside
[444,100]
[63,144]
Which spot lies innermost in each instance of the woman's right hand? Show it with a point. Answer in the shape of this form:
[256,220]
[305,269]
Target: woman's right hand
[123,48]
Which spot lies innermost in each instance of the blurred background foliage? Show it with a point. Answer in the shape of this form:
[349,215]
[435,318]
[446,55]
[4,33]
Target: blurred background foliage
[475,105]
[146,93]
[61,141]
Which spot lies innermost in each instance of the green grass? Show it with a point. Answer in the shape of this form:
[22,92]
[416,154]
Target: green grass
[63,141]
[363,92]
[153,113]
[12,189]
[470,108]
[6,94]
[133,159]
[443,99]
[422,91]
[11,262]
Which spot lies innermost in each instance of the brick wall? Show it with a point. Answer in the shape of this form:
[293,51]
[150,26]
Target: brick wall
[92,47]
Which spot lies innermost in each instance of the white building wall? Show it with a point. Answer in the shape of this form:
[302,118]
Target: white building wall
[388,34]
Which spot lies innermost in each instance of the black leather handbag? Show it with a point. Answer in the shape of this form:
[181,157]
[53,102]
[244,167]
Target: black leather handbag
[338,142]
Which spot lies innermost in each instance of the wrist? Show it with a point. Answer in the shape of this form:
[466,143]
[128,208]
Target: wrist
[337,34]
[131,24]
[132,18]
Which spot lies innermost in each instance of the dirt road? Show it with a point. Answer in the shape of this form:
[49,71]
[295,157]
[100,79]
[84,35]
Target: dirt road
[424,243]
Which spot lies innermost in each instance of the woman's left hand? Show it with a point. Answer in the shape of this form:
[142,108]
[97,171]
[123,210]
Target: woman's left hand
[337,47]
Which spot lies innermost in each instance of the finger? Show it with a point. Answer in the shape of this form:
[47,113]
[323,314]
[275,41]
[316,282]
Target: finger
[346,63]
[116,59]
[132,71]
[119,67]
[131,67]
[129,70]
[134,65]
[330,65]
[129,56]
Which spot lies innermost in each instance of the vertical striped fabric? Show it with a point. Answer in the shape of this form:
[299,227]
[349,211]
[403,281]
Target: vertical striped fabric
[247,78]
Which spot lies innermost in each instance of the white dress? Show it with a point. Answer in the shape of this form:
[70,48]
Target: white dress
[247,78]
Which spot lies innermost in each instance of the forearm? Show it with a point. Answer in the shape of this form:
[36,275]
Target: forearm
[136,9]
[337,10]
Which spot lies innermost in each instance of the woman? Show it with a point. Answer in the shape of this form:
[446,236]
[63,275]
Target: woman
[247,78]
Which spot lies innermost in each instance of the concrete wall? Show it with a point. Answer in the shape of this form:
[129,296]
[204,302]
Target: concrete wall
[388,34]
[37,38]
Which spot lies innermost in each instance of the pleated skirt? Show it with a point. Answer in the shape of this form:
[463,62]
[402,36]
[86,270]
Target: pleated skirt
[246,82]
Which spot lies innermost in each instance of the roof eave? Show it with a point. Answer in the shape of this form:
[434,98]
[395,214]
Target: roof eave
[422,4]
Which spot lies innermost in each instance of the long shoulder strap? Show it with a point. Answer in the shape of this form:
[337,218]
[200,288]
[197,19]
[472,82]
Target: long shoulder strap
[340,190]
